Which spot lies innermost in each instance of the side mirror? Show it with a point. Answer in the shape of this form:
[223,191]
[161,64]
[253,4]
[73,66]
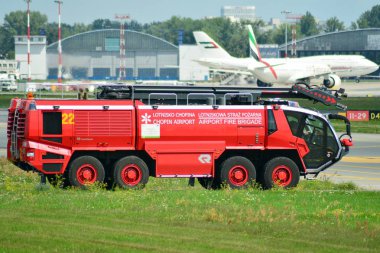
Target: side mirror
[346,142]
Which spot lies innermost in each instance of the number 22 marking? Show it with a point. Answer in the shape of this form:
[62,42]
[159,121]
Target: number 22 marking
[67,118]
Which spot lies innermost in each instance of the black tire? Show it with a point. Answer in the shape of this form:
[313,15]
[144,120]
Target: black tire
[237,172]
[280,171]
[85,170]
[130,172]
[209,183]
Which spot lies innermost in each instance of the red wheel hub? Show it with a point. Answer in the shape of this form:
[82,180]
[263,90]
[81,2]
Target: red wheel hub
[87,174]
[238,175]
[131,174]
[282,175]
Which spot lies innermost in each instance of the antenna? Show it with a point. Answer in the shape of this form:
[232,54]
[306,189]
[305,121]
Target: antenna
[28,31]
[59,2]
[122,18]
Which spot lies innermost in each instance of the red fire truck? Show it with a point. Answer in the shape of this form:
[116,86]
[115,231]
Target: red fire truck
[218,135]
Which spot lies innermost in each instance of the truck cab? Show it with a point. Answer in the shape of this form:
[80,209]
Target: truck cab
[325,146]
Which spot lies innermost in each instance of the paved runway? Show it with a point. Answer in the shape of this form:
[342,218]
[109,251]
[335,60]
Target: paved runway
[362,89]
[361,166]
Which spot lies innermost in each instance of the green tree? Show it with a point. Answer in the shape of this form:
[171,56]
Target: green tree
[278,34]
[333,24]
[134,26]
[353,26]
[308,25]
[370,18]
[6,44]
[168,30]
[16,22]
[101,24]
[230,35]
[66,29]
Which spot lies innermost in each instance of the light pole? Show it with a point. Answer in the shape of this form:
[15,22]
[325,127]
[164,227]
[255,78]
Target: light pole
[28,15]
[122,72]
[59,2]
[286,33]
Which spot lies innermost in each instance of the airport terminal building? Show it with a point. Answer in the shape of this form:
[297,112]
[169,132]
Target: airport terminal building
[364,42]
[96,55]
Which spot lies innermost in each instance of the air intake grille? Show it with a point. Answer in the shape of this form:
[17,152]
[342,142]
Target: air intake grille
[103,123]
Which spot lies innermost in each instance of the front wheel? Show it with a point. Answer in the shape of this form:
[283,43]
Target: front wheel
[85,170]
[131,172]
[238,172]
[282,172]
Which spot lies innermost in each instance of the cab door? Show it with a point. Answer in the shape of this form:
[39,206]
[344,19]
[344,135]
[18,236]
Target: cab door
[318,136]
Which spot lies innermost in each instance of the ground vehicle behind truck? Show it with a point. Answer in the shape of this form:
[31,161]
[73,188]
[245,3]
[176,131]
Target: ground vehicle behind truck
[220,136]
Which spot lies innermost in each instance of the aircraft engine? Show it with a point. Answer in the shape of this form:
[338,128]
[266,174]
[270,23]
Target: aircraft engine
[332,82]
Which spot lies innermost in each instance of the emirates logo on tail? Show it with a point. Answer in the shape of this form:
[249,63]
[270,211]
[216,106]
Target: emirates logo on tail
[208,44]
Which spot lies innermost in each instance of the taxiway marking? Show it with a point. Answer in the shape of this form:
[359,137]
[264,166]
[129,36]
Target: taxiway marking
[359,159]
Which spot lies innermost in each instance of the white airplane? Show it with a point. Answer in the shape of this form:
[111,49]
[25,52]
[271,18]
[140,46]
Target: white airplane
[283,70]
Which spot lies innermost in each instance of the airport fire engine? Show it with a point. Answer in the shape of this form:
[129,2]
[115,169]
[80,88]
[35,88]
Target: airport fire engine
[232,136]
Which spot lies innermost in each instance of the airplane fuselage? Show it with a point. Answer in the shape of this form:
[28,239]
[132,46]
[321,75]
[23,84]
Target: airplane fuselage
[290,70]
[345,65]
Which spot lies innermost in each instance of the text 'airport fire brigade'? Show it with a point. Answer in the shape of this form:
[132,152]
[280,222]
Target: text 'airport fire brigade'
[227,140]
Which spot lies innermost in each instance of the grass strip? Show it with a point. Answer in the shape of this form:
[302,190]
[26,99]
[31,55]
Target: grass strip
[169,216]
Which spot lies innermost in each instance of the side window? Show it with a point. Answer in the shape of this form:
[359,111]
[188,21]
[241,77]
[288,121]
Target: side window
[272,126]
[313,131]
[52,123]
[294,120]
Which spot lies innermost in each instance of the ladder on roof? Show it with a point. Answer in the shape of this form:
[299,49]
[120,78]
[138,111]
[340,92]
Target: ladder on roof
[14,149]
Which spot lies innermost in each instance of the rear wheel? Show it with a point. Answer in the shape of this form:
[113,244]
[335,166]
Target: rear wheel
[85,170]
[238,172]
[131,172]
[280,171]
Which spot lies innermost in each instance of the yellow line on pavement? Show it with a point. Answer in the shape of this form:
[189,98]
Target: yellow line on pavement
[361,159]
[351,177]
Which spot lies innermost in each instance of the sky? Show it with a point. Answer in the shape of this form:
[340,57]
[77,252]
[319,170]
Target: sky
[146,11]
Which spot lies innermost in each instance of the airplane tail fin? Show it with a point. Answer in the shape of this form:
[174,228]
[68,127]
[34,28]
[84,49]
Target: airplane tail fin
[253,45]
[209,46]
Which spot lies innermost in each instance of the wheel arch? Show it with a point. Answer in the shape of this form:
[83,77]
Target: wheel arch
[289,153]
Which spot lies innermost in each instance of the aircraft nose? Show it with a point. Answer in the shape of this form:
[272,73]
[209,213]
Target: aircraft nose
[372,66]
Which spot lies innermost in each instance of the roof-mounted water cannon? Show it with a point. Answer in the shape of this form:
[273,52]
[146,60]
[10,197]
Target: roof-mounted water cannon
[323,95]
